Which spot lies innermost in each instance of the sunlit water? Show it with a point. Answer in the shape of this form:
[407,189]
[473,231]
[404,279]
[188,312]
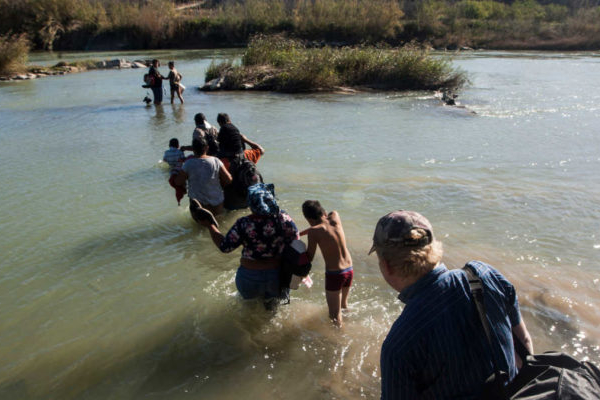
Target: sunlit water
[108,290]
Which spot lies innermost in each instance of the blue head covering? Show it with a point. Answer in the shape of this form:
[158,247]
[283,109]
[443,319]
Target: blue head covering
[261,199]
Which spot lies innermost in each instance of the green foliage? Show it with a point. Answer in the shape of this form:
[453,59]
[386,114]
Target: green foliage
[157,23]
[14,50]
[555,12]
[276,63]
[527,10]
[216,70]
[485,10]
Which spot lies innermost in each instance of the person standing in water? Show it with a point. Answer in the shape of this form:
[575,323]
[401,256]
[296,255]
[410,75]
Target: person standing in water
[263,235]
[156,82]
[206,177]
[437,348]
[326,231]
[174,78]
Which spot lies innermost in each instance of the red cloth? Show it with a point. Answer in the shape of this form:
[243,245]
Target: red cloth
[179,190]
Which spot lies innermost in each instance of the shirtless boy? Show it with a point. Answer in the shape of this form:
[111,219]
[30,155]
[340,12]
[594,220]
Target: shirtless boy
[326,231]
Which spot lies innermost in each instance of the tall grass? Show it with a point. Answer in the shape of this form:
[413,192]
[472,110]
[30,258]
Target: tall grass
[14,50]
[76,24]
[277,63]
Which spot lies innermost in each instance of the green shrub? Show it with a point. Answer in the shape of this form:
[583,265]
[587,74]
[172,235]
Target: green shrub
[473,9]
[527,10]
[555,12]
[14,50]
[276,63]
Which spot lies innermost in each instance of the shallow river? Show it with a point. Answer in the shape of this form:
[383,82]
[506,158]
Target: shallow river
[109,291]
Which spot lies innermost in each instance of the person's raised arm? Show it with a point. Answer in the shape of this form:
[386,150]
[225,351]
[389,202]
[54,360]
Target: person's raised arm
[226,243]
[312,245]
[253,145]
[216,235]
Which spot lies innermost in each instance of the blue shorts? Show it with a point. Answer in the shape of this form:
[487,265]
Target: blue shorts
[257,283]
[158,94]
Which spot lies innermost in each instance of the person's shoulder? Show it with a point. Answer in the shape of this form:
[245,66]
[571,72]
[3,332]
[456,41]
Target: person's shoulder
[317,231]
[491,277]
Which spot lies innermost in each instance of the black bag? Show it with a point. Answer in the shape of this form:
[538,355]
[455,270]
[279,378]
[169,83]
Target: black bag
[294,262]
[548,376]
[244,174]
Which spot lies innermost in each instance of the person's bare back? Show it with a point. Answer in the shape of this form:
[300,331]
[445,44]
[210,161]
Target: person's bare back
[327,233]
[329,236]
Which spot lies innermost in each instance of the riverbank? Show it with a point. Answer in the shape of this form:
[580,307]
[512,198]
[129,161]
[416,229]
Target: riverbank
[274,63]
[62,68]
[162,24]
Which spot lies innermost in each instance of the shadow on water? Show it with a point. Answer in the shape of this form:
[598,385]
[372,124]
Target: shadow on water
[194,351]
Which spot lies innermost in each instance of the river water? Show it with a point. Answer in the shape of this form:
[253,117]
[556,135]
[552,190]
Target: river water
[108,290]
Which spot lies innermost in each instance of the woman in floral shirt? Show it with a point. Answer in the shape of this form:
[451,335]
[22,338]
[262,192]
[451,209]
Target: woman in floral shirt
[263,235]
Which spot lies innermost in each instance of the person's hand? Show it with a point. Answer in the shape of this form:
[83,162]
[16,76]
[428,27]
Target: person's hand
[304,232]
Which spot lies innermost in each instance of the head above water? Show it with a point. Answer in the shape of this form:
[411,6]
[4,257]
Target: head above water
[313,210]
[199,119]
[404,240]
[223,119]
[174,143]
[199,146]
[261,199]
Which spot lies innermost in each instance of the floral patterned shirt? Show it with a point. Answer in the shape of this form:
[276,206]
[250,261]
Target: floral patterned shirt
[261,236]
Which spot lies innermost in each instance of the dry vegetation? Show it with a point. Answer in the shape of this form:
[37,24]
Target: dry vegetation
[13,53]
[276,63]
[114,24]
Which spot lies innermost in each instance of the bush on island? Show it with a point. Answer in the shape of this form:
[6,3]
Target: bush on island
[14,50]
[288,65]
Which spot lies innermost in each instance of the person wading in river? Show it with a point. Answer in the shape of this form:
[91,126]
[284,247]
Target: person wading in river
[437,349]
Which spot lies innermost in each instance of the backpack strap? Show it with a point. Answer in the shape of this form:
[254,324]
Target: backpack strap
[476,287]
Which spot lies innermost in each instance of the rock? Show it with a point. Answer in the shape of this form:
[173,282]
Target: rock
[125,65]
[4,78]
[248,86]
[137,64]
[114,63]
[214,84]
[20,77]
[466,48]
[31,76]
[61,64]
[146,63]
[101,64]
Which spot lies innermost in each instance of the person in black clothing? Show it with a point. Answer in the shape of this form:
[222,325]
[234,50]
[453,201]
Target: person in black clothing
[156,82]
[231,141]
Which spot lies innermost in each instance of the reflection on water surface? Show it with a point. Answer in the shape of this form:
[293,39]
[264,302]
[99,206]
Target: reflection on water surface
[108,290]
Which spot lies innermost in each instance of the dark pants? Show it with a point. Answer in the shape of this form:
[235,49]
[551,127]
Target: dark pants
[158,94]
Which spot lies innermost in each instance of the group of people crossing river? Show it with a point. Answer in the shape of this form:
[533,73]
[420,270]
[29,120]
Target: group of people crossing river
[435,349]
[222,174]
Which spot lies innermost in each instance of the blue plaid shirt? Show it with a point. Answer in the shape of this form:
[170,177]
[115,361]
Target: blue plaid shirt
[437,348]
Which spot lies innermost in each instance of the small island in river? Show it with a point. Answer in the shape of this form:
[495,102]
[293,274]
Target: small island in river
[275,63]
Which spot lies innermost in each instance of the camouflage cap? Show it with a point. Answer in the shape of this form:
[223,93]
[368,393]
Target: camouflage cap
[393,230]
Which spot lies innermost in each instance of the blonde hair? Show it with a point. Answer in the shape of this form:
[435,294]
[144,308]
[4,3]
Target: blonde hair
[412,261]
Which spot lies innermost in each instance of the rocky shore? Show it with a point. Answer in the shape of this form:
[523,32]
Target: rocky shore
[63,68]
